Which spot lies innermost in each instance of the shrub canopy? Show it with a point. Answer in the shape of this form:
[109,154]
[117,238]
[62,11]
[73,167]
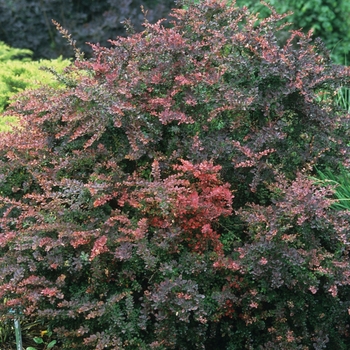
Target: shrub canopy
[162,199]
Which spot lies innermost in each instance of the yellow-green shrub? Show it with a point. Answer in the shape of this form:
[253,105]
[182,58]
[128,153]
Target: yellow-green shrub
[19,72]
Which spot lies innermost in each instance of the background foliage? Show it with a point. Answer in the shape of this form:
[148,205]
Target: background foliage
[341,182]
[162,198]
[27,23]
[18,72]
[329,20]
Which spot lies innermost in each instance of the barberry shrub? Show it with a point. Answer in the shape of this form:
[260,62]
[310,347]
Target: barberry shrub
[163,198]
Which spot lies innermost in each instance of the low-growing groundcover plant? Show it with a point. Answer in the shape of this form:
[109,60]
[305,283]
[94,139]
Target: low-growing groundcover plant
[19,72]
[163,199]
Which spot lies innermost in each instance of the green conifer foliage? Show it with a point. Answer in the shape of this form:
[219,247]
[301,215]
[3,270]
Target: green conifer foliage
[18,72]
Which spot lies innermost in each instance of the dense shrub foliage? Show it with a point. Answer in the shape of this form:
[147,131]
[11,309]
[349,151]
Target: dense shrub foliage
[19,72]
[163,200]
[27,23]
[329,20]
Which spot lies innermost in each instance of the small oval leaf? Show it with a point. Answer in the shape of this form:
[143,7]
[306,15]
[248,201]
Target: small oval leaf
[51,344]
[38,340]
